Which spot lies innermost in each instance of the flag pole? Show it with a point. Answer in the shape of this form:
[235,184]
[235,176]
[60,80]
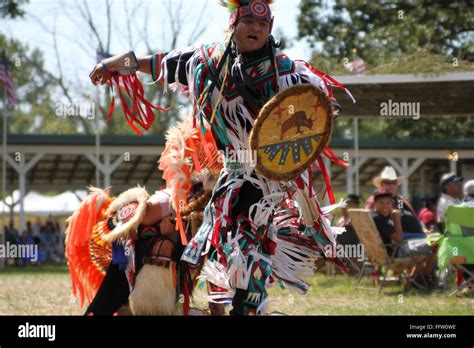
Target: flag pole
[97,134]
[4,168]
[97,138]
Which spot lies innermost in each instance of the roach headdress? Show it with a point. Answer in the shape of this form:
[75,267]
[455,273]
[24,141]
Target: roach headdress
[241,8]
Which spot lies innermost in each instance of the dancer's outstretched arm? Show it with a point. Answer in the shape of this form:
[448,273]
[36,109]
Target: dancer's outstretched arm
[125,63]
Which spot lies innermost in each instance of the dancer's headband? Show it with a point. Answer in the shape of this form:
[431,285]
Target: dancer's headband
[242,8]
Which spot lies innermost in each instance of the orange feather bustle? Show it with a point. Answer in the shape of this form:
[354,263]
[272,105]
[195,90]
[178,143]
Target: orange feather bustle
[86,275]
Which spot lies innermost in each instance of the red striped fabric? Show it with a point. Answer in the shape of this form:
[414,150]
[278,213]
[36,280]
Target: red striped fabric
[6,79]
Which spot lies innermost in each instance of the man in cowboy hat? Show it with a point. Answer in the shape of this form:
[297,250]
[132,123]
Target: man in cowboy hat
[389,181]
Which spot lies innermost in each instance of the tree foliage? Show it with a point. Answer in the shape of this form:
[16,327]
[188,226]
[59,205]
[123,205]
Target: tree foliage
[378,29]
[34,87]
[439,128]
[61,87]
[12,8]
[405,36]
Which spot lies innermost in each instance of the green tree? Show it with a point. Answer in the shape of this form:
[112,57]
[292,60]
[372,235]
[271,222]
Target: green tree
[461,128]
[35,109]
[405,36]
[378,29]
[12,8]
[99,31]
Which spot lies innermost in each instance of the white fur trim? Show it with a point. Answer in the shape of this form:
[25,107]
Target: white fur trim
[154,292]
[138,194]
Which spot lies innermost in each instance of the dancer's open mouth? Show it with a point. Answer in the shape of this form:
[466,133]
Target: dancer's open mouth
[252,37]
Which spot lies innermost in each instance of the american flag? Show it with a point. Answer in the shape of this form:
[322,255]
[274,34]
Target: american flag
[357,66]
[6,79]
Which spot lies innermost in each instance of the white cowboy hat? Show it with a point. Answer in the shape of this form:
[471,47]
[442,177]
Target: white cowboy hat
[388,174]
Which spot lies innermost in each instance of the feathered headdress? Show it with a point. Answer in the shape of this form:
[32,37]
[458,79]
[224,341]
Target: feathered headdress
[242,8]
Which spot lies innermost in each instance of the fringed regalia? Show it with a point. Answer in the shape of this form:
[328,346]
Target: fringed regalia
[251,235]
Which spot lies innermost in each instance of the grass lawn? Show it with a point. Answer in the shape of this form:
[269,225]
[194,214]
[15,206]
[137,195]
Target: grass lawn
[46,290]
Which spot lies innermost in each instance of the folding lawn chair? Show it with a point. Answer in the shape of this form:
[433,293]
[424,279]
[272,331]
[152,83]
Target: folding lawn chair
[456,247]
[375,250]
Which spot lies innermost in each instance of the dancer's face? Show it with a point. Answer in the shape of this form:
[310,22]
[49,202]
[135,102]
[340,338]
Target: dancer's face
[251,34]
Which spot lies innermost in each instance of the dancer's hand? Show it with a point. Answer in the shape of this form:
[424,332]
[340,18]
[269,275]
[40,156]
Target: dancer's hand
[99,75]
